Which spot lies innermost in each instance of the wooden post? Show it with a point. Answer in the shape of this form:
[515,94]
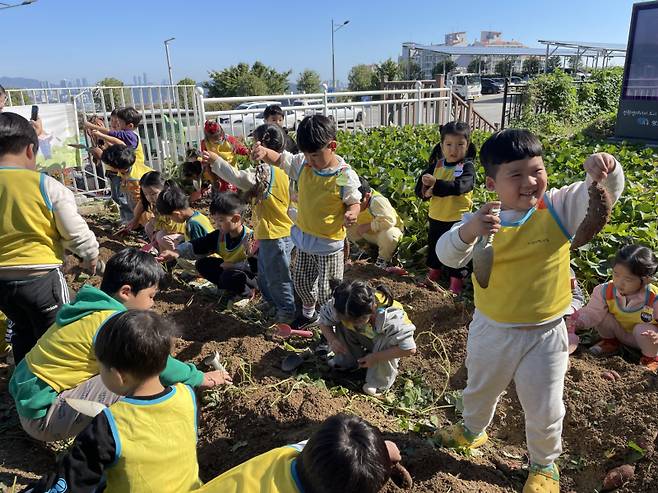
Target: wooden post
[440,105]
[469,113]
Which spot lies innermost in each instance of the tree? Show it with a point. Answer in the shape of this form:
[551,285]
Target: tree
[410,70]
[114,98]
[575,62]
[309,82]
[361,78]
[185,94]
[475,65]
[243,80]
[532,65]
[388,70]
[504,66]
[553,63]
[444,66]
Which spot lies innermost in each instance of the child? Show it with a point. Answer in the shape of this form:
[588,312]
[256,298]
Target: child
[377,223]
[146,440]
[161,230]
[367,328]
[127,121]
[344,454]
[174,204]
[274,115]
[518,332]
[122,158]
[62,365]
[448,184]
[39,219]
[192,181]
[329,200]
[625,311]
[268,188]
[235,270]
[226,146]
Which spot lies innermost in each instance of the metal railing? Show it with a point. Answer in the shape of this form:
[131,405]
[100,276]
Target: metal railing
[464,111]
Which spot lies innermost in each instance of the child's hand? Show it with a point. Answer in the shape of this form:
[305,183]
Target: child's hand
[369,360]
[599,165]
[258,152]
[482,223]
[168,255]
[574,323]
[651,335]
[350,218]
[428,180]
[214,378]
[208,157]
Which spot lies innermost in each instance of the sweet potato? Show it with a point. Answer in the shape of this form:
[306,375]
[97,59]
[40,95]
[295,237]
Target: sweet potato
[618,476]
[401,477]
[597,216]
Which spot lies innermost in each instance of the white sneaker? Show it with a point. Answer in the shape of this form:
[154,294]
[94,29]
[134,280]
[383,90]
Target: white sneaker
[371,390]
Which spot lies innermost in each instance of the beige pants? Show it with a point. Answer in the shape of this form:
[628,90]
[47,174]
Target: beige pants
[610,328]
[62,421]
[387,240]
[536,359]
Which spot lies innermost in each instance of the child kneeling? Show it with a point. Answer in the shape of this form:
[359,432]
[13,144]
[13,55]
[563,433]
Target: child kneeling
[366,328]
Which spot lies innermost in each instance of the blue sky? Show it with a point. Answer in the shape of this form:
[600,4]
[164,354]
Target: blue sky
[68,39]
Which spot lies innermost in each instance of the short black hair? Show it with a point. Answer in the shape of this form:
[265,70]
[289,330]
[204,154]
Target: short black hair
[456,128]
[131,267]
[345,454]
[129,115]
[315,132]
[171,199]
[119,156]
[271,136]
[511,144]
[365,186]
[227,204]
[16,133]
[137,342]
[273,110]
[640,260]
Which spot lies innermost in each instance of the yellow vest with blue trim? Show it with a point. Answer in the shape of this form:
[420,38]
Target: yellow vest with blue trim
[200,219]
[238,253]
[530,279]
[272,472]
[28,232]
[321,209]
[64,356]
[629,317]
[272,210]
[366,217]
[155,442]
[451,207]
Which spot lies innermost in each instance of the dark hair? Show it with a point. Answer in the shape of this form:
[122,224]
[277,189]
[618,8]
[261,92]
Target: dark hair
[150,179]
[365,186]
[131,267]
[273,110]
[114,112]
[226,204]
[137,342]
[16,133]
[315,132]
[2,90]
[640,260]
[345,454]
[119,156]
[129,115]
[511,144]
[355,299]
[271,136]
[171,199]
[454,128]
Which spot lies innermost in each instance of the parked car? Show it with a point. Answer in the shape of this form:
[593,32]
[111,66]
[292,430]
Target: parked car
[342,114]
[467,86]
[243,125]
[490,86]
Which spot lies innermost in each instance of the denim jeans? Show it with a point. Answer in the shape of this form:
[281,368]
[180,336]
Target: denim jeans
[119,198]
[274,278]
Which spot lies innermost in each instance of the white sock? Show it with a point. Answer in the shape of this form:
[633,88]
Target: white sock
[308,311]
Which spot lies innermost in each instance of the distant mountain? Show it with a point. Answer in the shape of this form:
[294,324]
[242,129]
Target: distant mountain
[20,82]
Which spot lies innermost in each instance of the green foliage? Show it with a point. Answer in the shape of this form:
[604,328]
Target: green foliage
[602,126]
[243,80]
[186,94]
[504,66]
[392,159]
[113,97]
[532,65]
[309,82]
[361,78]
[444,66]
[385,71]
[475,65]
[410,70]
[18,98]
[553,62]
[552,93]
[607,88]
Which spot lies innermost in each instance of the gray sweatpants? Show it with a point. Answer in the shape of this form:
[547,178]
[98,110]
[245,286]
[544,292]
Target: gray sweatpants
[62,421]
[536,359]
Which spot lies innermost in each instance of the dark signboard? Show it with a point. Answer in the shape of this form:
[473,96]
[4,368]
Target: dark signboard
[638,107]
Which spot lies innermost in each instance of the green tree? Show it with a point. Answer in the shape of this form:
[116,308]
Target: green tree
[388,70]
[575,62]
[410,70]
[475,65]
[114,98]
[186,94]
[532,65]
[504,66]
[361,78]
[553,93]
[553,62]
[18,98]
[444,66]
[309,82]
[243,80]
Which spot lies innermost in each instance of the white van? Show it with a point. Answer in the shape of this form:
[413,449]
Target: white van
[467,86]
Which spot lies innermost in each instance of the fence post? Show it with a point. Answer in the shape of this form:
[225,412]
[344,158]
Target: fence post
[469,113]
[449,117]
[325,110]
[440,84]
[201,114]
[502,117]
[419,95]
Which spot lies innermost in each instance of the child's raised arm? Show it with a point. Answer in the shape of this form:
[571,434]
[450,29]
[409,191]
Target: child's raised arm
[243,179]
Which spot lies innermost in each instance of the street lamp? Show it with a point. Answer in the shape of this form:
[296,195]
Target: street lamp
[4,5]
[171,78]
[334,28]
